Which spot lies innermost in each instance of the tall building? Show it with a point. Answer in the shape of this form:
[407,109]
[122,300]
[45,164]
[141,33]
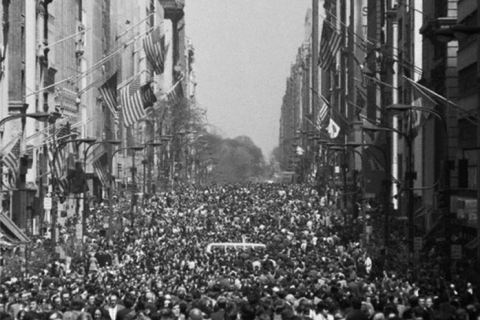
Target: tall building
[64,56]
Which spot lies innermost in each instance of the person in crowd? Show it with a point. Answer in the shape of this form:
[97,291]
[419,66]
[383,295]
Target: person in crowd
[98,313]
[156,266]
[112,306]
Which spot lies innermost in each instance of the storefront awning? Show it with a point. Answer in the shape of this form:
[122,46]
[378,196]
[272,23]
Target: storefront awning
[11,231]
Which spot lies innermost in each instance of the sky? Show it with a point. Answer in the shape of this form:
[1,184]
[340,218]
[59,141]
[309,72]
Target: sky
[243,53]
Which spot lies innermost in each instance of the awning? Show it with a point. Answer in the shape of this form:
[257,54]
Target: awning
[10,230]
[473,244]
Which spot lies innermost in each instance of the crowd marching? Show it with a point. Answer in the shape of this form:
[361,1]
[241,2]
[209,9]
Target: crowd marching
[156,266]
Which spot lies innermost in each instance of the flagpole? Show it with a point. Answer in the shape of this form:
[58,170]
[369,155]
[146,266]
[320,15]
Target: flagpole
[422,88]
[66,38]
[134,26]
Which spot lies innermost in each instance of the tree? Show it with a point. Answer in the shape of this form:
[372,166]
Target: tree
[238,160]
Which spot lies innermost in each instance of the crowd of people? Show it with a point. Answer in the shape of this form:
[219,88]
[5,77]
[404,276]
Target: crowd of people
[155,265]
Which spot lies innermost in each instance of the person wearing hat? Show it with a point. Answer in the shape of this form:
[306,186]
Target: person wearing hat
[219,309]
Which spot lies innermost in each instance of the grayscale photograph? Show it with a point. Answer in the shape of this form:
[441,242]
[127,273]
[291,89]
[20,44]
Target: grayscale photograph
[239,160]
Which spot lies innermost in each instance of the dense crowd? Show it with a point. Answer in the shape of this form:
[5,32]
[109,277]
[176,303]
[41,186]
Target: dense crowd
[155,265]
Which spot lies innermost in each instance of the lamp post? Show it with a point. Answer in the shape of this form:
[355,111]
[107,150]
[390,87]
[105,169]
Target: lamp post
[445,205]
[134,185]
[54,185]
[85,200]
[351,146]
[165,139]
[133,200]
[150,143]
[20,196]
[387,184]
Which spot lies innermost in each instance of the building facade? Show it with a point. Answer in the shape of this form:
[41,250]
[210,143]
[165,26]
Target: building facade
[62,53]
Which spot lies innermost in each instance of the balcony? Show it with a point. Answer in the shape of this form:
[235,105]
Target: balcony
[173,9]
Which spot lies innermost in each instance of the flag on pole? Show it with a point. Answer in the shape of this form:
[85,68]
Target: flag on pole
[333,129]
[100,165]
[108,91]
[416,117]
[375,164]
[131,102]
[329,44]
[58,160]
[154,46]
[134,99]
[148,97]
[299,150]
[12,162]
[321,116]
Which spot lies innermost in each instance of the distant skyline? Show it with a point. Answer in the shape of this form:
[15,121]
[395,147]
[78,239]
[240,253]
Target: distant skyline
[243,53]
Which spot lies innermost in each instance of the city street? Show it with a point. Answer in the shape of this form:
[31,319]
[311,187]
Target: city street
[240,160]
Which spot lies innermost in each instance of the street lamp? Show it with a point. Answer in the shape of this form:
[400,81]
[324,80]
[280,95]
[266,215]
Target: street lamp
[342,148]
[165,140]
[85,200]
[39,116]
[133,196]
[20,187]
[389,178]
[54,185]
[150,143]
[445,205]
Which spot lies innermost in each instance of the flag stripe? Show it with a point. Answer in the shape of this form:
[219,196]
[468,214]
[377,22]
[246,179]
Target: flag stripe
[58,161]
[131,101]
[100,167]
[329,45]
[11,161]
[154,46]
[321,115]
[109,93]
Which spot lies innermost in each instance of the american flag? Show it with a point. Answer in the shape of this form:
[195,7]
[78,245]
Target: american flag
[100,165]
[58,161]
[172,95]
[329,45]
[134,99]
[154,46]
[421,100]
[131,102]
[375,164]
[108,90]
[148,97]
[11,161]
[321,115]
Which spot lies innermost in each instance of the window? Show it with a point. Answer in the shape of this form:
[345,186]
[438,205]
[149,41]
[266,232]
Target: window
[400,28]
[467,78]
[470,20]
